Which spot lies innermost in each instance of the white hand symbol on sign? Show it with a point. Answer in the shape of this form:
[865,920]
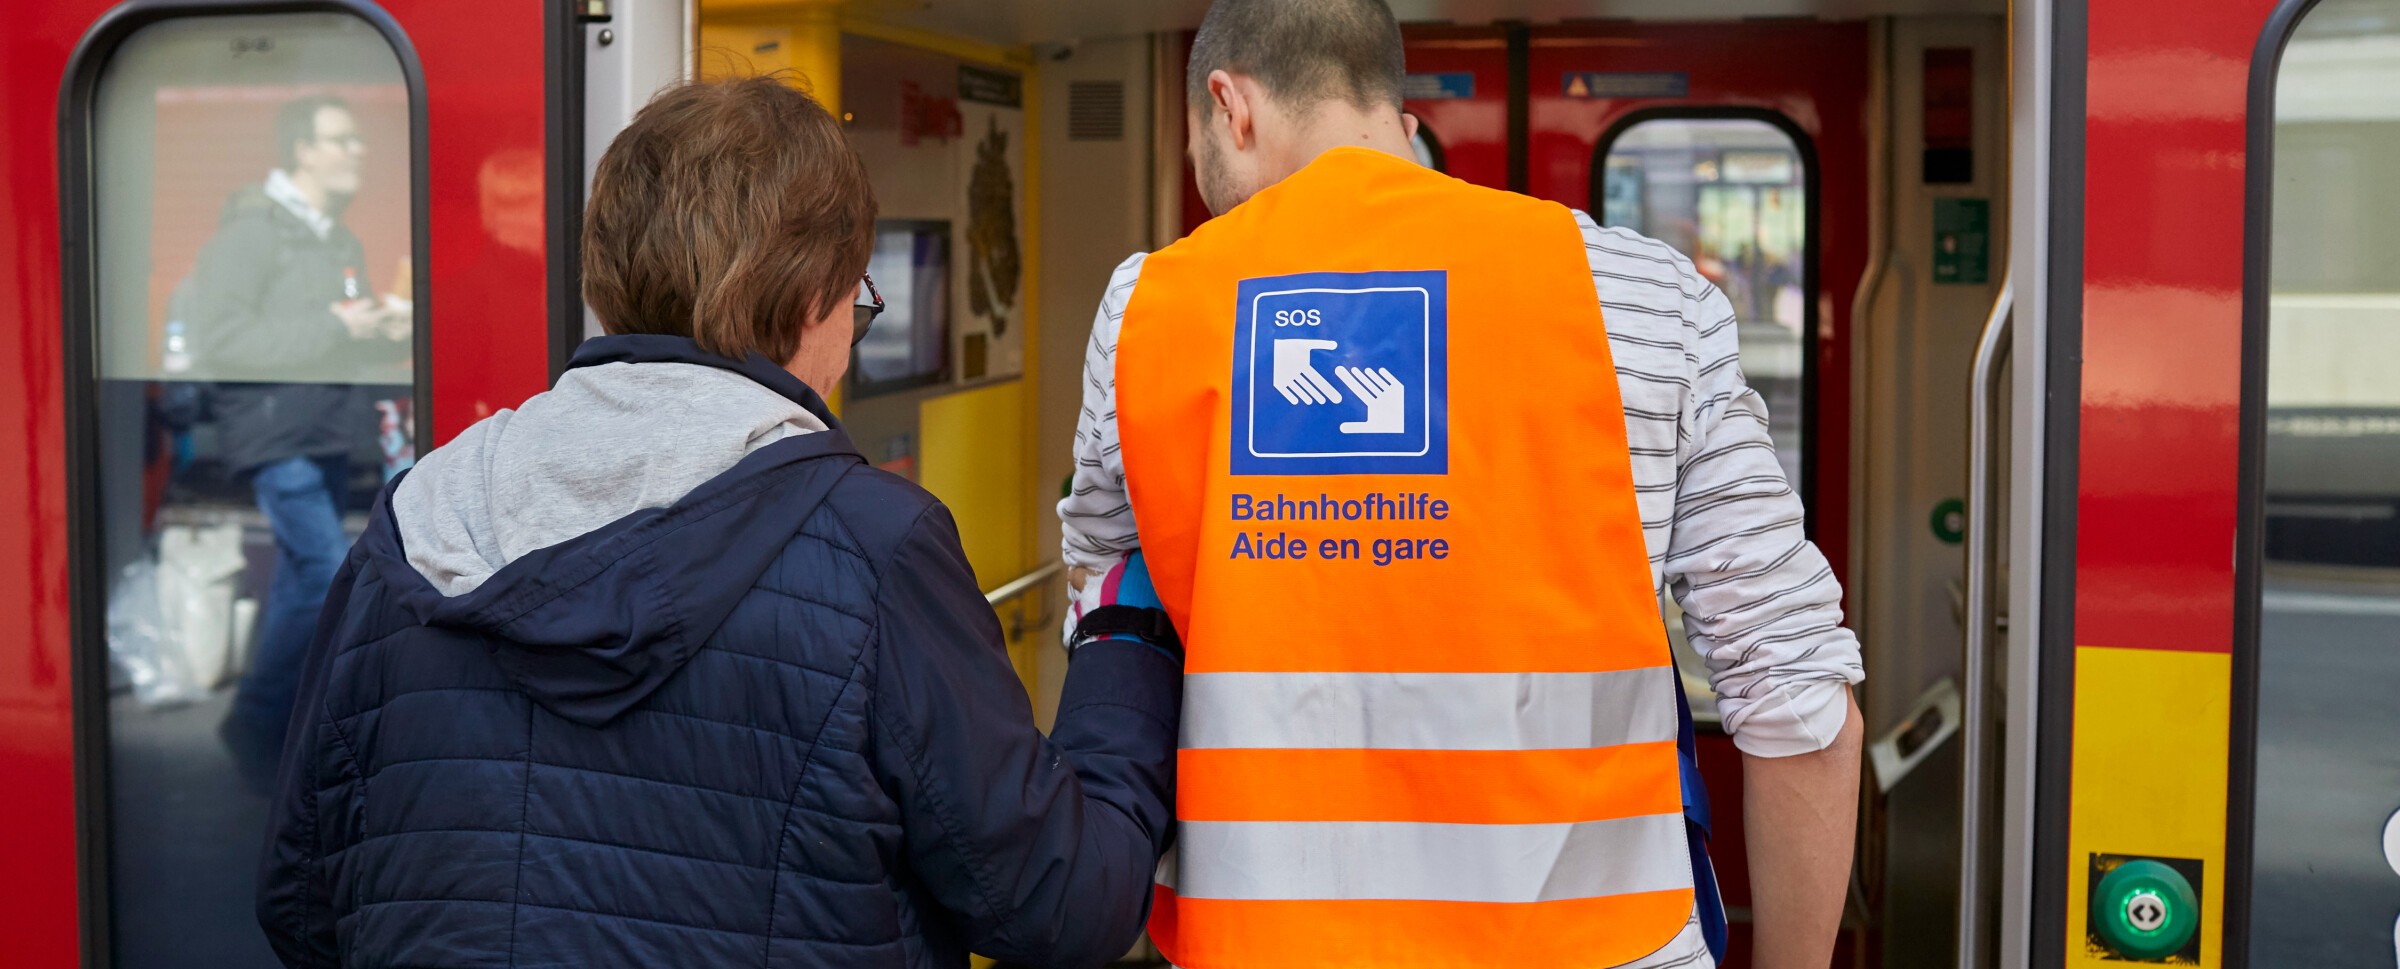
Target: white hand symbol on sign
[1386,399]
[1296,379]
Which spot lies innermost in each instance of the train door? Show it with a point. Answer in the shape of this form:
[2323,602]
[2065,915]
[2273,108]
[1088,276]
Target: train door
[228,258]
[2317,604]
[1845,184]
[2215,774]
[1744,146]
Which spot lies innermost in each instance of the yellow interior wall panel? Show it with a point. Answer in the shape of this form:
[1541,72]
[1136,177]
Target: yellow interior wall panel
[738,51]
[963,48]
[803,37]
[971,457]
[2149,770]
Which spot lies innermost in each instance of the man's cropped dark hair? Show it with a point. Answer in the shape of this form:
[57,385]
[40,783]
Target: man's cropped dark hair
[1305,52]
[297,122]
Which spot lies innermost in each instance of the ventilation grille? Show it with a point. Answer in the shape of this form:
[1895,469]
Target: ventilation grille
[1095,111]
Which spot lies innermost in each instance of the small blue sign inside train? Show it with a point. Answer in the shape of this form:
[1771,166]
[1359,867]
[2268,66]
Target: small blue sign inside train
[1443,86]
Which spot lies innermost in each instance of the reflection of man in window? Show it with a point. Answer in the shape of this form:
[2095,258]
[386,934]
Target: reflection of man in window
[282,315]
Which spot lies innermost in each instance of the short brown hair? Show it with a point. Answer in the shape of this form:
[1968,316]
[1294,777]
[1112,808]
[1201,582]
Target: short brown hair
[732,212]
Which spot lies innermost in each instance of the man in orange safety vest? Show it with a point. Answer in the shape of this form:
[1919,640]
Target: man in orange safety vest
[1361,427]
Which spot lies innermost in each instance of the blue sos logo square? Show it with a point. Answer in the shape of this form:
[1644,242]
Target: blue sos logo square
[1342,373]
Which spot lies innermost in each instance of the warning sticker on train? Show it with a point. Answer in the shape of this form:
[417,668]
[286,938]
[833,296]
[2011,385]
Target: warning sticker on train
[1342,373]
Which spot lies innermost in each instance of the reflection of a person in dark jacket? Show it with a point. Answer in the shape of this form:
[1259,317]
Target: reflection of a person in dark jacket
[283,320]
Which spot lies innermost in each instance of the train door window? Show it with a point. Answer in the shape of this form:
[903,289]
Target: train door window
[2327,572]
[1733,191]
[250,347]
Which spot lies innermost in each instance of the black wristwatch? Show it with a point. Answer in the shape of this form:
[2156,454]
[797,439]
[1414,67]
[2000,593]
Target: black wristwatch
[1149,623]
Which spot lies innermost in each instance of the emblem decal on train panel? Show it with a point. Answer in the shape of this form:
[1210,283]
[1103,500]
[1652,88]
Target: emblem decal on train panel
[1342,373]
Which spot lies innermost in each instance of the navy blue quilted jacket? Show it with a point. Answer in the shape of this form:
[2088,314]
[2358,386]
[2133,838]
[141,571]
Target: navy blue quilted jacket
[770,725]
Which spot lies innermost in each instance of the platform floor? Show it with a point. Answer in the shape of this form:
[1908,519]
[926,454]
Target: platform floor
[186,833]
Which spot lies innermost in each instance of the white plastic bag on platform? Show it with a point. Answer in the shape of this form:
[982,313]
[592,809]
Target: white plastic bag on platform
[198,568]
[141,643]
[171,620]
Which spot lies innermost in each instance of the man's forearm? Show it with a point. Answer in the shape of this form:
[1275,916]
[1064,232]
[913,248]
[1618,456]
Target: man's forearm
[1799,817]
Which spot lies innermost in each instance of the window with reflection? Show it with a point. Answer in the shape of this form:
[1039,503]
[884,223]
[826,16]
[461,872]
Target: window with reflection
[255,339]
[1732,194]
[2328,778]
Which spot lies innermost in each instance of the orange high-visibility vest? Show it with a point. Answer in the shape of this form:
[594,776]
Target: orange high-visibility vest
[1376,452]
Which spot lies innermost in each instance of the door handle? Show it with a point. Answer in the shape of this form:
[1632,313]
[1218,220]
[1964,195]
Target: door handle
[1974,732]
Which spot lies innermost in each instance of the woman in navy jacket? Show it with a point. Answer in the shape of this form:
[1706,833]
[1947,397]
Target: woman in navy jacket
[655,671]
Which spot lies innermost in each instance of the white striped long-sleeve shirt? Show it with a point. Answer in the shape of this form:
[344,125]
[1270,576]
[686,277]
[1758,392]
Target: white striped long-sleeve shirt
[1723,526]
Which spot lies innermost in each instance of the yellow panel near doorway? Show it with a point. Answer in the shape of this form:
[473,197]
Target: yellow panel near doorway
[803,36]
[972,456]
[2150,754]
[973,459]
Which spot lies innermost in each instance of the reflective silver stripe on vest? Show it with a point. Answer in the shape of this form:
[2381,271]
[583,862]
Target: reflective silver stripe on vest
[1331,860]
[1429,711]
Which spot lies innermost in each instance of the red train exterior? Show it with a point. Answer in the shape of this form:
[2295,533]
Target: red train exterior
[2151,296]
[487,103]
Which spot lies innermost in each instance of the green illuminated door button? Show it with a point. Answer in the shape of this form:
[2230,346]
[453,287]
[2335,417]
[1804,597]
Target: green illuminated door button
[2145,910]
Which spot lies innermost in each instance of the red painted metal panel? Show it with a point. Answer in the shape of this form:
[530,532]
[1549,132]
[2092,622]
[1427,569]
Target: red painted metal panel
[2162,304]
[1813,73]
[484,73]
[484,83]
[37,818]
[1473,131]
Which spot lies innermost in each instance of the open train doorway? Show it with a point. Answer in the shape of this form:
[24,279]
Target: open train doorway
[2145,228]
[1841,171]
[1842,175]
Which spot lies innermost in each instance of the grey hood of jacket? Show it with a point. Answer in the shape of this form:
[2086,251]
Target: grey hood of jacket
[608,441]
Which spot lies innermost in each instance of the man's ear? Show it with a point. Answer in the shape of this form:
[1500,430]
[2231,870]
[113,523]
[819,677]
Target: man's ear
[1241,110]
[1408,125]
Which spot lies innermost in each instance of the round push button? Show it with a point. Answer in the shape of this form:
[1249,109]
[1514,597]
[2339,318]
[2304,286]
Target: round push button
[2145,910]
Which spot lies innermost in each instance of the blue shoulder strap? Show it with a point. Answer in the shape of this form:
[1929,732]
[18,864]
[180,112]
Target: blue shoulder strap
[1706,903]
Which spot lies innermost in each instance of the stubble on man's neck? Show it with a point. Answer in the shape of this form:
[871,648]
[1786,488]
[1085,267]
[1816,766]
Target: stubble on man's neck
[1340,124]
